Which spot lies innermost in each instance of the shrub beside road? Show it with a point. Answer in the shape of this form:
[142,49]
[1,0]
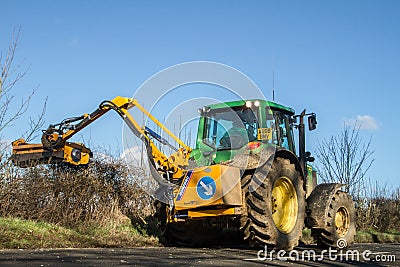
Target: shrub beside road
[105,206]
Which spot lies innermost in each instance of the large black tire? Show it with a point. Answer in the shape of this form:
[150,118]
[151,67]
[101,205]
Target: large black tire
[331,216]
[191,233]
[275,201]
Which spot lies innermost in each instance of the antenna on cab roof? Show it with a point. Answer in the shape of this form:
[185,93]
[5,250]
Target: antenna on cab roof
[273,78]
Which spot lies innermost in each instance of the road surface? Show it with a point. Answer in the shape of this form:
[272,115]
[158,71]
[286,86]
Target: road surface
[369,255]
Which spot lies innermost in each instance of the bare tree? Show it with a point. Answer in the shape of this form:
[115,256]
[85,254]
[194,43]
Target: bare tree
[10,109]
[345,159]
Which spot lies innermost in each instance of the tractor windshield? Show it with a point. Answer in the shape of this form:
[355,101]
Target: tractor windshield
[230,128]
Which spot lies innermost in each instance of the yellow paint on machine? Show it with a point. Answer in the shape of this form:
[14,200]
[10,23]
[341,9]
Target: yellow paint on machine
[84,154]
[208,186]
[210,213]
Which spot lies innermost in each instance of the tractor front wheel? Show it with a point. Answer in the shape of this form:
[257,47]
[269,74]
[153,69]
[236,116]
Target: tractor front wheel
[275,201]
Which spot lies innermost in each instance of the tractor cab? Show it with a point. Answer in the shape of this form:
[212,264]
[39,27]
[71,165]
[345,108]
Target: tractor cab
[229,128]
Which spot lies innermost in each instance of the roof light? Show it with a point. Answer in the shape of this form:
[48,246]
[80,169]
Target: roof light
[204,109]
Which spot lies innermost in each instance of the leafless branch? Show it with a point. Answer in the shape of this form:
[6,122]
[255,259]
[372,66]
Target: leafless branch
[5,120]
[11,74]
[345,158]
[35,125]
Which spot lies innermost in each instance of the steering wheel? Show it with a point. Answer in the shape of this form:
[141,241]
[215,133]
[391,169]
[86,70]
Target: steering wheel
[233,141]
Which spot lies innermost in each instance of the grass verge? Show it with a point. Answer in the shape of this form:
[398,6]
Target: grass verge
[18,233]
[24,234]
[376,237]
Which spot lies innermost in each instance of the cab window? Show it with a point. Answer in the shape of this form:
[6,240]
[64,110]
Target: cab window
[278,122]
[230,128]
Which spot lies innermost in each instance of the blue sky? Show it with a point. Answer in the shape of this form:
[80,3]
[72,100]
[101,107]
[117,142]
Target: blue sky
[339,59]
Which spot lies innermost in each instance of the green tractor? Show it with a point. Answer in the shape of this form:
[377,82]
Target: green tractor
[245,174]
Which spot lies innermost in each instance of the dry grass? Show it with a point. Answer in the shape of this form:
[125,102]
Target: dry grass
[104,206]
[60,206]
[73,197]
[376,237]
[379,210]
[25,234]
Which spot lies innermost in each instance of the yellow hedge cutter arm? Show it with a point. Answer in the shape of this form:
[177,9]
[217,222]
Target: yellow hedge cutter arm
[55,148]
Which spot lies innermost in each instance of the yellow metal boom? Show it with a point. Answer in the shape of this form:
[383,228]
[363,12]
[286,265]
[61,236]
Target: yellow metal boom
[55,148]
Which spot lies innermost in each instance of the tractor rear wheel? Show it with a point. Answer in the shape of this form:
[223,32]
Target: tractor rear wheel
[333,224]
[275,201]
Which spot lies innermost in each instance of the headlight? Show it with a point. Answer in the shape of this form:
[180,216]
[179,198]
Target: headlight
[257,103]
[76,154]
[248,104]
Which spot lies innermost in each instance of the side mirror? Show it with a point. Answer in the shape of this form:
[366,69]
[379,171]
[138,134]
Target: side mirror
[312,122]
[309,158]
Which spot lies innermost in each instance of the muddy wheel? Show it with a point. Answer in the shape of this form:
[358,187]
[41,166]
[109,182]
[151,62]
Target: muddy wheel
[275,206]
[333,225]
[192,233]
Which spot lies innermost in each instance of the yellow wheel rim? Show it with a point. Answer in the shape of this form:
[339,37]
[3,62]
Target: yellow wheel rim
[342,221]
[284,205]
